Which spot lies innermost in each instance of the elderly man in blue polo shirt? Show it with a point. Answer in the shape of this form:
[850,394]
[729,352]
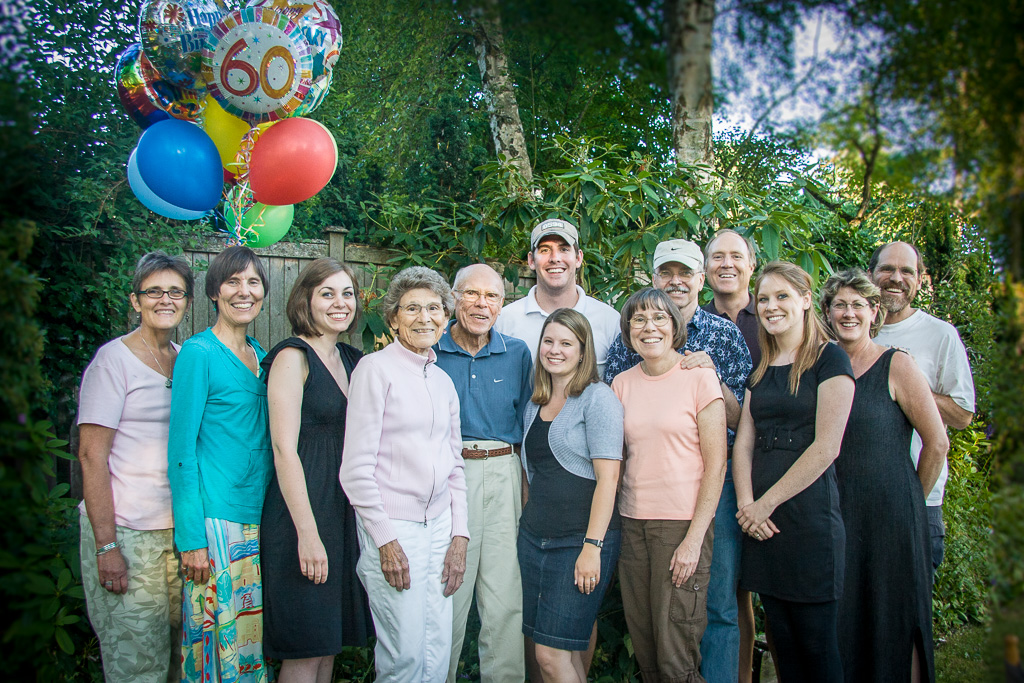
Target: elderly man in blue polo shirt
[493,376]
[716,343]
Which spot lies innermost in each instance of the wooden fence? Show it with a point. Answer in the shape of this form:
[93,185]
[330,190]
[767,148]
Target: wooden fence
[284,261]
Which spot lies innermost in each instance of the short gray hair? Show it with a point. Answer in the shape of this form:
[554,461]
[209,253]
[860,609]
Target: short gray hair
[156,261]
[416,277]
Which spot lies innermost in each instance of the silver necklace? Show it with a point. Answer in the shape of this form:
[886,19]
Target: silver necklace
[158,363]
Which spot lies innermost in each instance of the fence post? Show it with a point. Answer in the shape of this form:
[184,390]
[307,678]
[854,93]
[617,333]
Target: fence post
[336,241]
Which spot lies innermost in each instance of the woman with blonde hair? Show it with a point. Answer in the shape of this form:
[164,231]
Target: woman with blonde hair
[569,531]
[791,428]
[885,612]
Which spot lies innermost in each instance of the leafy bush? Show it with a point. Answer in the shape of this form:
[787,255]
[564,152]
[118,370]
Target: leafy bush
[961,584]
[41,589]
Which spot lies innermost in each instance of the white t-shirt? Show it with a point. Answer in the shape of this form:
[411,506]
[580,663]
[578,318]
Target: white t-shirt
[936,346]
[121,392]
[524,319]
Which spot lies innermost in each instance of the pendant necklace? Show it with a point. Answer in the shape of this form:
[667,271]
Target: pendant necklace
[159,364]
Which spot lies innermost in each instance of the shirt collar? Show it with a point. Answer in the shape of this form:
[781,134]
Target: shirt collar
[447,344]
[412,360]
[698,319]
[533,307]
[749,308]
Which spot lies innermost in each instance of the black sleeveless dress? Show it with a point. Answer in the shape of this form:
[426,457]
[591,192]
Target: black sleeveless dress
[302,619]
[804,562]
[886,606]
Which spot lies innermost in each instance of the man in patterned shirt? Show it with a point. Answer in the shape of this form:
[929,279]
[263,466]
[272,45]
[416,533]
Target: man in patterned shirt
[711,341]
[716,343]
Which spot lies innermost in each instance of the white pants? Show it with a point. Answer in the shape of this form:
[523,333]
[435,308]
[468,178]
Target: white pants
[494,496]
[414,626]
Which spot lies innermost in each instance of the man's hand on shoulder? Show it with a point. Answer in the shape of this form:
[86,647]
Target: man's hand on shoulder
[699,359]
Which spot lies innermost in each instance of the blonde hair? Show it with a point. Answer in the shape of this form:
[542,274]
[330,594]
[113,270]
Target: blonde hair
[857,280]
[814,335]
[586,372]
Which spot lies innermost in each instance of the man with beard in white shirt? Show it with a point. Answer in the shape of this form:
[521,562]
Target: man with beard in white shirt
[897,269]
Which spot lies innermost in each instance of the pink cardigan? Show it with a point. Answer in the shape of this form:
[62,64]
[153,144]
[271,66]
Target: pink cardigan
[403,443]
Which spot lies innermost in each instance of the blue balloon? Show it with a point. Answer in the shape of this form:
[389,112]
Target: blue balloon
[180,164]
[153,202]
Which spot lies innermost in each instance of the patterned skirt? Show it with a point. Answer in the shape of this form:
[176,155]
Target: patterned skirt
[222,637]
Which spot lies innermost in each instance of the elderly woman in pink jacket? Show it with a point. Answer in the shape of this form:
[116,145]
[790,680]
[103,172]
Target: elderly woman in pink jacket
[402,469]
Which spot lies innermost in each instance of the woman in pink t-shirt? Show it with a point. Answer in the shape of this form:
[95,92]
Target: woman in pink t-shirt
[129,571]
[675,438]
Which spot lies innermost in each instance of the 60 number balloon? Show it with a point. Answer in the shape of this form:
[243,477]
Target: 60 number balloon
[258,65]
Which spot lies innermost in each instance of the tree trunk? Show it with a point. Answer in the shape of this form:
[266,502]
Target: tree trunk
[688,31]
[506,126]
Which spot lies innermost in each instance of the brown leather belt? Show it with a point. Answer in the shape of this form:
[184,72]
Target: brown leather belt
[484,453]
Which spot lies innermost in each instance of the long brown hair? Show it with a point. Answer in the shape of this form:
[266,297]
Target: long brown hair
[814,336]
[586,372]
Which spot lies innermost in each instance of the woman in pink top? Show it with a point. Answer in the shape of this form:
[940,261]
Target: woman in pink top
[129,571]
[674,470]
[402,470]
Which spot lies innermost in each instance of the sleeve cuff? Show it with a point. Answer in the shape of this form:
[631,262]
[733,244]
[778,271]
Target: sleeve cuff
[460,524]
[380,531]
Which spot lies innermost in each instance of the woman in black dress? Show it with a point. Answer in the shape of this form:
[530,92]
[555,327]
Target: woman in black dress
[797,402]
[885,613]
[313,601]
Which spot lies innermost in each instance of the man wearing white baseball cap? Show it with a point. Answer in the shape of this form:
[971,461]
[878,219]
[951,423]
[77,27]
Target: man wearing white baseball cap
[555,256]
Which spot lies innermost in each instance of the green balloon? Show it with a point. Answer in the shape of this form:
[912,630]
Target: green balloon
[269,223]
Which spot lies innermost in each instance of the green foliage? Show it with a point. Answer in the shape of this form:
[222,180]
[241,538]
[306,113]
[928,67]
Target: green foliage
[41,588]
[623,202]
[1008,484]
[961,658]
[961,583]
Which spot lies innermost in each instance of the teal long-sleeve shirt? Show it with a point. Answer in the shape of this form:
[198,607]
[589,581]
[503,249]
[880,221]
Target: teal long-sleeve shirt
[219,454]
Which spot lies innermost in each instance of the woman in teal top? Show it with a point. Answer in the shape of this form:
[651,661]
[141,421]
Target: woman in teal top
[219,464]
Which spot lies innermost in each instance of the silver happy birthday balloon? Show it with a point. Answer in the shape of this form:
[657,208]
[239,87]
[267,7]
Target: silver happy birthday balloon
[173,34]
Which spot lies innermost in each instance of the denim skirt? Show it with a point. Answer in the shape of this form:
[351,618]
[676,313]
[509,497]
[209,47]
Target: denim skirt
[555,612]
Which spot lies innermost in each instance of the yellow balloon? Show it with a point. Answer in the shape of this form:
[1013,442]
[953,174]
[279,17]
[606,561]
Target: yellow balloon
[225,130]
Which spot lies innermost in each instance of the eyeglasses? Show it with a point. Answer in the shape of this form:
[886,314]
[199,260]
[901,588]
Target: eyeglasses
[638,322]
[856,305]
[471,296]
[157,293]
[685,275]
[413,310]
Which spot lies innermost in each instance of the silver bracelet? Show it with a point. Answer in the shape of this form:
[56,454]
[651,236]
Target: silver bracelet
[106,549]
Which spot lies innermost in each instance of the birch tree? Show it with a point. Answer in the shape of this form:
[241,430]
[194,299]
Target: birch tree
[688,30]
[499,89]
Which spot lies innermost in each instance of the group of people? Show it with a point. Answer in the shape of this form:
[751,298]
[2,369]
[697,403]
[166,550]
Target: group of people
[521,456]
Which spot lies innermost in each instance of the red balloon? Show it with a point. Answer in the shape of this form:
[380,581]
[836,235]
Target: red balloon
[292,161]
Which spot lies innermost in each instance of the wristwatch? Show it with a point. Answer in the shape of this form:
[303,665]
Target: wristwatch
[594,541]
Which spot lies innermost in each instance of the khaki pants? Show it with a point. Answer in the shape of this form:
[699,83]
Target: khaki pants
[494,497]
[140,631]
[665,623]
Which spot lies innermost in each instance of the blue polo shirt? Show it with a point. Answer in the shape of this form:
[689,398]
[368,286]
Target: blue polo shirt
[494,386]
